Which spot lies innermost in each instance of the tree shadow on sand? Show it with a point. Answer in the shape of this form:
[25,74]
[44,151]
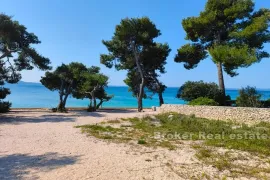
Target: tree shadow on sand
[46,116]
[18,166]
[126,111]
[11,118]
[100,112]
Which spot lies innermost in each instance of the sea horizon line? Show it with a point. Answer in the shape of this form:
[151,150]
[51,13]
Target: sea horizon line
[260,89]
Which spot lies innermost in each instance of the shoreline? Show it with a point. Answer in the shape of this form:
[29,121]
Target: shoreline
[79,108]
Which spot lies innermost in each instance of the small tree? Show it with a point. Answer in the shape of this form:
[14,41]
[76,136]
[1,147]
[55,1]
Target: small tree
[231,32]
[92,86]
[65,80]
[192,90]
[249,97]
[155,61]
[4,106]
[132,42]
[17,54]
[158,88]
[133,82]
[102,96]
[155,86]
[203,101]
[152,84]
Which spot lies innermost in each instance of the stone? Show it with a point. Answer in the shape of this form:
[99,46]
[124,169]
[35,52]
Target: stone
[238,114]
[170,117]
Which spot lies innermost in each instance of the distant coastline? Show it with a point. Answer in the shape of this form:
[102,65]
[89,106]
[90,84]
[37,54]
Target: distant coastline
[35,95]
[260,89]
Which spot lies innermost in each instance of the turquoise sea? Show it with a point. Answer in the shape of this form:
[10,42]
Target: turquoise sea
[34,95]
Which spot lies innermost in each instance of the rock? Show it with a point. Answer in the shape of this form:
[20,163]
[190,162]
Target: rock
[236,127]
[126,125]
[154,108]
[170,117]
[155,123]
[236,114]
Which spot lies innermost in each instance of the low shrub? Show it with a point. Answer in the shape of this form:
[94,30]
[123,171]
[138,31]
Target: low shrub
[266,103]
[192,90]
[4,106]
[4,92]
[203,101]
[249,97]
[90,109]
[141,141]
[53,109]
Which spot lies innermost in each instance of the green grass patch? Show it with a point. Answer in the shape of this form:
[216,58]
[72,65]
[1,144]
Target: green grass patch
[228,161]
[141,141]
[167,129]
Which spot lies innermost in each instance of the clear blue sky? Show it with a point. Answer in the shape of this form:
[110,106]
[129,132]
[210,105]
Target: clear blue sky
[72,31]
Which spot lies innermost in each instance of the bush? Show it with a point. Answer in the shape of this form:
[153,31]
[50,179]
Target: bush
[141,141]
[192,90]
[4,106]
[266,103]
[203,101]
[249,97]
[53,109]
[90,108]
[4,92]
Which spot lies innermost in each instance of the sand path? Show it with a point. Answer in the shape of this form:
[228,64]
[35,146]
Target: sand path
[37,144]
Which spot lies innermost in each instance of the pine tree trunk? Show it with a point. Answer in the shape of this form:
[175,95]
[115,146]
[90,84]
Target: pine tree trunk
[94,99]
[64,102]
[99,104]
[141,90]
[95,104]
[61,94]
[221,83]
[161,100]
[60,105]
[140,105]
[90,108]
[91,103]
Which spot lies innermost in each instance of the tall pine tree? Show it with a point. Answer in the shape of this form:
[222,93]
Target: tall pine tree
[231,32]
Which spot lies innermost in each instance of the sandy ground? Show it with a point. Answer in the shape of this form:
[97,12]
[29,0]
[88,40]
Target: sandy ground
[37,144]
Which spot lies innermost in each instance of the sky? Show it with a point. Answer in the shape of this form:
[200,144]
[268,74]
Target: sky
[73,31]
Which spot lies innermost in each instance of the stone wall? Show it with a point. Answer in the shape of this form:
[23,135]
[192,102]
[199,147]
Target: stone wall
[238,114]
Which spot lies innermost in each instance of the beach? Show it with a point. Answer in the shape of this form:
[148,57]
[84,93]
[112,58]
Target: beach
[117,90]
[37,144]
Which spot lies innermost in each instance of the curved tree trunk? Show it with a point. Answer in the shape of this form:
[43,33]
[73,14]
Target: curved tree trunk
[61,94]
[99,104]
[60,106]
[141,91]
[95,104]
[65,101]
[91,103]
[161,100]
[221,83]
[140,96]
[60,101]
[92,93]
[160,96]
